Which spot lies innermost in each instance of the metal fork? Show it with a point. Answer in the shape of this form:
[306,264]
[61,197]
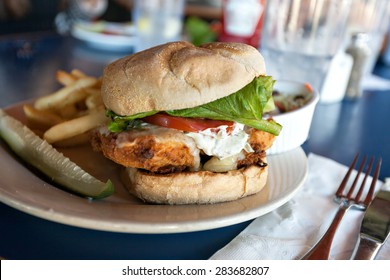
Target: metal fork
[321,250]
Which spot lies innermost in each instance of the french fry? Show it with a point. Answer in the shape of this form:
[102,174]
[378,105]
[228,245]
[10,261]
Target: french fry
[77,73]
[66,95]
[98,84]
[99,81]
[43,118]
[75,126]
[94,101]
[92,91]
[73,98]
[64,78]
[68,112]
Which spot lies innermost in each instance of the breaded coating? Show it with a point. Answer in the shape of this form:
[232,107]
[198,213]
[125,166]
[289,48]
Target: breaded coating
[163,150]
[152,148]
[260,139]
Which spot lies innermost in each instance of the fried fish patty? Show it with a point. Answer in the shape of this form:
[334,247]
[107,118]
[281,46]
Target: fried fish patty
[163,150]
[153,148]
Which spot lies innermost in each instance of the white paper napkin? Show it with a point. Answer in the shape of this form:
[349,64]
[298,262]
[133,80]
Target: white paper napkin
[289,231]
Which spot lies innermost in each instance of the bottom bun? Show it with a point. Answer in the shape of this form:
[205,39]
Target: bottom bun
[195,187]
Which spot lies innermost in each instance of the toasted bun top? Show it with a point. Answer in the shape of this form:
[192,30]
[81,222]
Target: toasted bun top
[178,75]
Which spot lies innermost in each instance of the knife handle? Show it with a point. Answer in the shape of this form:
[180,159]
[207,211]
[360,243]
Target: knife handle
[366,249]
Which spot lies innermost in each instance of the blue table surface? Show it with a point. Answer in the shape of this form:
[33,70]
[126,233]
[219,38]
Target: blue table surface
[27,66]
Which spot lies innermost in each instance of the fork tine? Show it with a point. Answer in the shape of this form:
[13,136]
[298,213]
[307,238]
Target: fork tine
[353,186]
[344,182]
[370,194]
[368,171]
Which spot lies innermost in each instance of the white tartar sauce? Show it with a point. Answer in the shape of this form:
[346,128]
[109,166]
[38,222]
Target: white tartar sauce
[220,143]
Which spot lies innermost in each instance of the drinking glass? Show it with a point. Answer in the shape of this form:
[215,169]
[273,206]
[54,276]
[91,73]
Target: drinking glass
[300,38]
[157,21]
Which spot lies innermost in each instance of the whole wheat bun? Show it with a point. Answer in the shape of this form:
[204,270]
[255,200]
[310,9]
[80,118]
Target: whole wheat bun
[178,75]
[195,187]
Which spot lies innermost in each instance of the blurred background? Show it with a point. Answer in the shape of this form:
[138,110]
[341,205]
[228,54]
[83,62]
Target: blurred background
[314,41]
[36,15]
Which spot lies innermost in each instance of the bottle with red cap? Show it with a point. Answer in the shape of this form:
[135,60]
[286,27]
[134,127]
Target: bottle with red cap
[242,21]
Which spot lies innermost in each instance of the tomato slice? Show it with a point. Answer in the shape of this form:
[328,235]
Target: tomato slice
[185,124]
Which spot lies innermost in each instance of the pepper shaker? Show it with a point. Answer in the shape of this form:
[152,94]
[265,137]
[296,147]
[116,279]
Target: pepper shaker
[360,52]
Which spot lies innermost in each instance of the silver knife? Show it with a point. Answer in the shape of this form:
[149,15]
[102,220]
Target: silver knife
[375,228]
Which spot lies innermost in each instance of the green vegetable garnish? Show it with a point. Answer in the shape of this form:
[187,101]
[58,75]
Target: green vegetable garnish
[44,157]
[245,106]
[199,31]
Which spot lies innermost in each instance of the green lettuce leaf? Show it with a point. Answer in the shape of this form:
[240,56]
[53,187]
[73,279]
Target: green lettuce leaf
[121,123]
[245,106]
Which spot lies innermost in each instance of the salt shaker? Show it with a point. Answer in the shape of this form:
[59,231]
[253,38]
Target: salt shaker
[360,52]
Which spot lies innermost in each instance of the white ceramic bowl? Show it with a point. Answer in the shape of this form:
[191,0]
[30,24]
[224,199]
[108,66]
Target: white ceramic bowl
[296,124]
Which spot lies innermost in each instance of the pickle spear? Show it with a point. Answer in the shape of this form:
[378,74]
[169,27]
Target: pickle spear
[43,156]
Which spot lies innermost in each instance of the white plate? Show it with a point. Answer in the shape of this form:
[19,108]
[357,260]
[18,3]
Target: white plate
[22,189]
[105,35]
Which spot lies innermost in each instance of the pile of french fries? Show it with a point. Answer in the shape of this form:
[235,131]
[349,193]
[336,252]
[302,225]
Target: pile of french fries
[68,114]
